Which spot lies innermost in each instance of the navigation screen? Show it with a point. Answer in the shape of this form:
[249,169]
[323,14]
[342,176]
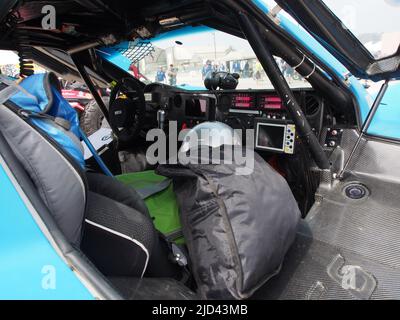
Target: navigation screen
[270,136]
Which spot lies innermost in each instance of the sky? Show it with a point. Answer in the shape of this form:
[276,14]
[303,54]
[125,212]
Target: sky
[205,39]
[364,16]
[367,16]
[356,15]
[8,57]
[375,22]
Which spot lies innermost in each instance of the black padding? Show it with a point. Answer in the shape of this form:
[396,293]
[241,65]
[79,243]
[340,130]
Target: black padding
[109,195]
[118,239]
[160,264]
[116,190]
[153,289]
[74,255]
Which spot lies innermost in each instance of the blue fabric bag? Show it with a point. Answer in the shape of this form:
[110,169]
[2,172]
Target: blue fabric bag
[44,104]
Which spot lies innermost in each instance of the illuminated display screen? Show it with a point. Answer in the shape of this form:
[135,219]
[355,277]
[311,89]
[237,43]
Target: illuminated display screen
[243,101]
[270,136]
[271,102]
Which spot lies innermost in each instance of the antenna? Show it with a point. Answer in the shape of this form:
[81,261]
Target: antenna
[366,124]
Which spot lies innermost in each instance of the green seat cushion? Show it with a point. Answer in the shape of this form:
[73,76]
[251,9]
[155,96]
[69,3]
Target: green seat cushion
[162,206]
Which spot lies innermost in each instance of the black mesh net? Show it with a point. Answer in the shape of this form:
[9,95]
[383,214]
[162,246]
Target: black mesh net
[137,50]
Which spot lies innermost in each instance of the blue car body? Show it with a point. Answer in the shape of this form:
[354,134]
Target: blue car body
[32,268]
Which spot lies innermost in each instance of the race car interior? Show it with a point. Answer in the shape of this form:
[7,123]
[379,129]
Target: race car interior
[276,138]
[303,134]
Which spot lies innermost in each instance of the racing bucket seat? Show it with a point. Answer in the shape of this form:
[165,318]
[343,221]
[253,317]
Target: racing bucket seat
[107,220]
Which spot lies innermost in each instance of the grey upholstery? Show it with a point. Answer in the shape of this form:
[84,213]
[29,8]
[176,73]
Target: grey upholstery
[63,191]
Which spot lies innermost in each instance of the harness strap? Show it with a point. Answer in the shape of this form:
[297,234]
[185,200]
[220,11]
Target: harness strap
[65,124]
[14,87]
[171,236]
[6,93]
[96,156]
[153,189]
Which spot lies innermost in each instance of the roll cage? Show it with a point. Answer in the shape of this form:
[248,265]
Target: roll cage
[83,26]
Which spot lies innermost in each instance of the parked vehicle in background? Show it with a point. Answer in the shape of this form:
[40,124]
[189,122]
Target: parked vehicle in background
[76,94]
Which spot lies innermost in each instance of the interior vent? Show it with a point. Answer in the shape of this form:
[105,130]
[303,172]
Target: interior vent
[312,105]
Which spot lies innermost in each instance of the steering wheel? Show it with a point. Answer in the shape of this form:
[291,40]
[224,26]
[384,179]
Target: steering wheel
[127,109]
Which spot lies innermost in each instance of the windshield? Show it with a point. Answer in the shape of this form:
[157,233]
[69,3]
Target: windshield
[185,59]
[376,23]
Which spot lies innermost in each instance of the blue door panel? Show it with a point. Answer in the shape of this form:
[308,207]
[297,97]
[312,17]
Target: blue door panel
[29,266]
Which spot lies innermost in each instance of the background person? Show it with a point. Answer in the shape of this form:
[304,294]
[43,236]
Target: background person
[236,67]
[246,70]
[206,69]
[172,73]
[160,75]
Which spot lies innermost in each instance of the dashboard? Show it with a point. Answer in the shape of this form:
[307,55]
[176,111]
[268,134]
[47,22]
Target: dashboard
[264,111]
[266,103]
[187,108]
[261,110]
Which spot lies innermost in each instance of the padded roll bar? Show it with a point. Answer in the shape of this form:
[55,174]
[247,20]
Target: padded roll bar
[270,66]
[92,88]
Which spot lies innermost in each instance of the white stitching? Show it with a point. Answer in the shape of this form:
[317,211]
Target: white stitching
[138,243]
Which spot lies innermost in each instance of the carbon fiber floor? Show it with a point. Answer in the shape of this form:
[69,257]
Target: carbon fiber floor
[342,235]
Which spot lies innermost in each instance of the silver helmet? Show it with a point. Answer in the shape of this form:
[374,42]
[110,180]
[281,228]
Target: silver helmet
[211,134]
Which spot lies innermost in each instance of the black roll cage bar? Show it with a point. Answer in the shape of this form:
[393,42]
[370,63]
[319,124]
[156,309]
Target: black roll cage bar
[270,66]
